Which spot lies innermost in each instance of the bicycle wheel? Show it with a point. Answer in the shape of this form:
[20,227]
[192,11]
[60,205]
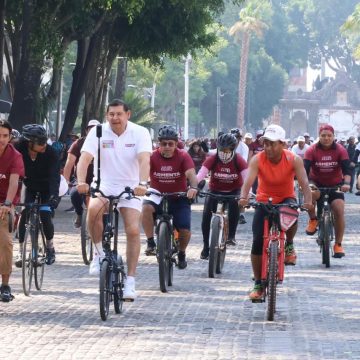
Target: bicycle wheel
[171,251]
[86,243]
[40,255]
[272,279]
[164,257]
[221,255]
[27,262]
[325,244]
[105,289]
[214,246]
[118,283]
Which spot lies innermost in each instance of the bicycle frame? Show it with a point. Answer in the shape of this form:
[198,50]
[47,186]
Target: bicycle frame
[222,214]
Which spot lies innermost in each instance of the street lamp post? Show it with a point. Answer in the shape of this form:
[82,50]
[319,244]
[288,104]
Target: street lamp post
[59,104]
[219,95]
[186,98]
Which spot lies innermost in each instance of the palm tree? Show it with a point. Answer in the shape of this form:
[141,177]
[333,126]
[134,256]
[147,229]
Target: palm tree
[242,30]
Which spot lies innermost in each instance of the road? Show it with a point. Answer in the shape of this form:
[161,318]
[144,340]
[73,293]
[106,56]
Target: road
[318,313]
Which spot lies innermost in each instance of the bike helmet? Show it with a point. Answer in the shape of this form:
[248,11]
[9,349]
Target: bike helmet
[236,132]
[15,134]
[168,132]
[34,133]
[226,141]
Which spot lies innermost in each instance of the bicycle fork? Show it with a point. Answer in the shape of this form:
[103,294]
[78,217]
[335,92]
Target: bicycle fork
[219,245]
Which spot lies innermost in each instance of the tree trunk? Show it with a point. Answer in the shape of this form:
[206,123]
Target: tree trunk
[2,40]
[28,79]
[242,79]
[120,82]
[80,78]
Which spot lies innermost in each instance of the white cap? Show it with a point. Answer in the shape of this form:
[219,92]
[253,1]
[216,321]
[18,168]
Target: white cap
[306,134]
[259,132]
[93,123]
[274,133]
[300,138]
[248,136]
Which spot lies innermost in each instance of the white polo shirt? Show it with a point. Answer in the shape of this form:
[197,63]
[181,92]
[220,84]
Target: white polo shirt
[300,152]
[119,166]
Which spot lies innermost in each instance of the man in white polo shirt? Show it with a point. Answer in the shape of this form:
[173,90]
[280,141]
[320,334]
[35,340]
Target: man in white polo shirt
[125,149]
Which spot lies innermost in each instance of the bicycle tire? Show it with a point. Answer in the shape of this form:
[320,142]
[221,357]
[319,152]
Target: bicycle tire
[325,244]
[86,243]
[27,262]
[118,284]
[39,265]
[221,255]
[272,279]
[164,258]
[105,289]
[214,246]
[171,251]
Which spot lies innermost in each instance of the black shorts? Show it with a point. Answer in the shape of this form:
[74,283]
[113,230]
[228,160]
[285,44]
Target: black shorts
[258,227]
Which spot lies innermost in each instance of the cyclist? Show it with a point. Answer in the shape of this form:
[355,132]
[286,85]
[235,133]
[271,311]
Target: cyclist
[242,149]
[300,147]
[275,168]
[11,169]
[70,166]
[42,174]
[197,153]
[327,164]
[125,149]
[170,169]
[227,171]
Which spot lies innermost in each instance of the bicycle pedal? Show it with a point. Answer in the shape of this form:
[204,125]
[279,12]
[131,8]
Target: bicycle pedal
[128,300]
[258,301]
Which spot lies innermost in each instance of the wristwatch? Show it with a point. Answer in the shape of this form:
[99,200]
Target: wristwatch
[7,203]
[143,183]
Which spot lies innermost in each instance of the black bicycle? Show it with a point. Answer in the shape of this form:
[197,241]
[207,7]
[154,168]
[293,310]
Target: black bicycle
[167,246]
[34,249]
[112,269]
[326,224]
[86,243]
[219,232]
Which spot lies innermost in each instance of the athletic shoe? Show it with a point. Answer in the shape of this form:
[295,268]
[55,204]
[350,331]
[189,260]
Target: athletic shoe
[151,248]
[204,253]
[77,222]
[50,256]
[290,255]
[257,293]
[231,241]
[182,263]
[311,227]
[5,293]
[242,219]
[18,261]
[338,251]
[94,268]
[129,293]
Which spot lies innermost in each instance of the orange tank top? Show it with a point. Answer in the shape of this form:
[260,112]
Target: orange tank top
[276,180]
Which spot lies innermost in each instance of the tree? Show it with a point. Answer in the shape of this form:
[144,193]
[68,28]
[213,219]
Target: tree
[242,30]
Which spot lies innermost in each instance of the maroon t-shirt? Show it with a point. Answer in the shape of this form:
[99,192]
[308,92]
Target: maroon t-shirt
[75,149]
[168,174]
[326,164]
[225,177]
[256,147]
[11,162]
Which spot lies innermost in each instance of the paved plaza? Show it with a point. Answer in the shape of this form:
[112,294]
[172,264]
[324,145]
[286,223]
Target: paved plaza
[318,309]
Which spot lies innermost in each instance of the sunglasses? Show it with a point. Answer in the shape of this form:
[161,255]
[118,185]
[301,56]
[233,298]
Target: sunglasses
[40,142]
[167,143]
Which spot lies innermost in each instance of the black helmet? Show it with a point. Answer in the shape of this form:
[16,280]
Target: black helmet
[168,132]
[34,133]
[236,132]
[226,141]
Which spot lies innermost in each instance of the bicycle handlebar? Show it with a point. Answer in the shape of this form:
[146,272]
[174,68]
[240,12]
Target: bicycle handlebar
[127,190]
[177,193]
[219,196]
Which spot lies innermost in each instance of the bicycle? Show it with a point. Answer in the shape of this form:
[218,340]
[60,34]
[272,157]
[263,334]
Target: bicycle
[167,246]
[219,232]
[279,218]
[326,225]
[112,269]
[33,254]
[86,243]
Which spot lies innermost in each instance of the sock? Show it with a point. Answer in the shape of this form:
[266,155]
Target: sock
[130,279]
[50,244]
[150,240]
[98,249]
